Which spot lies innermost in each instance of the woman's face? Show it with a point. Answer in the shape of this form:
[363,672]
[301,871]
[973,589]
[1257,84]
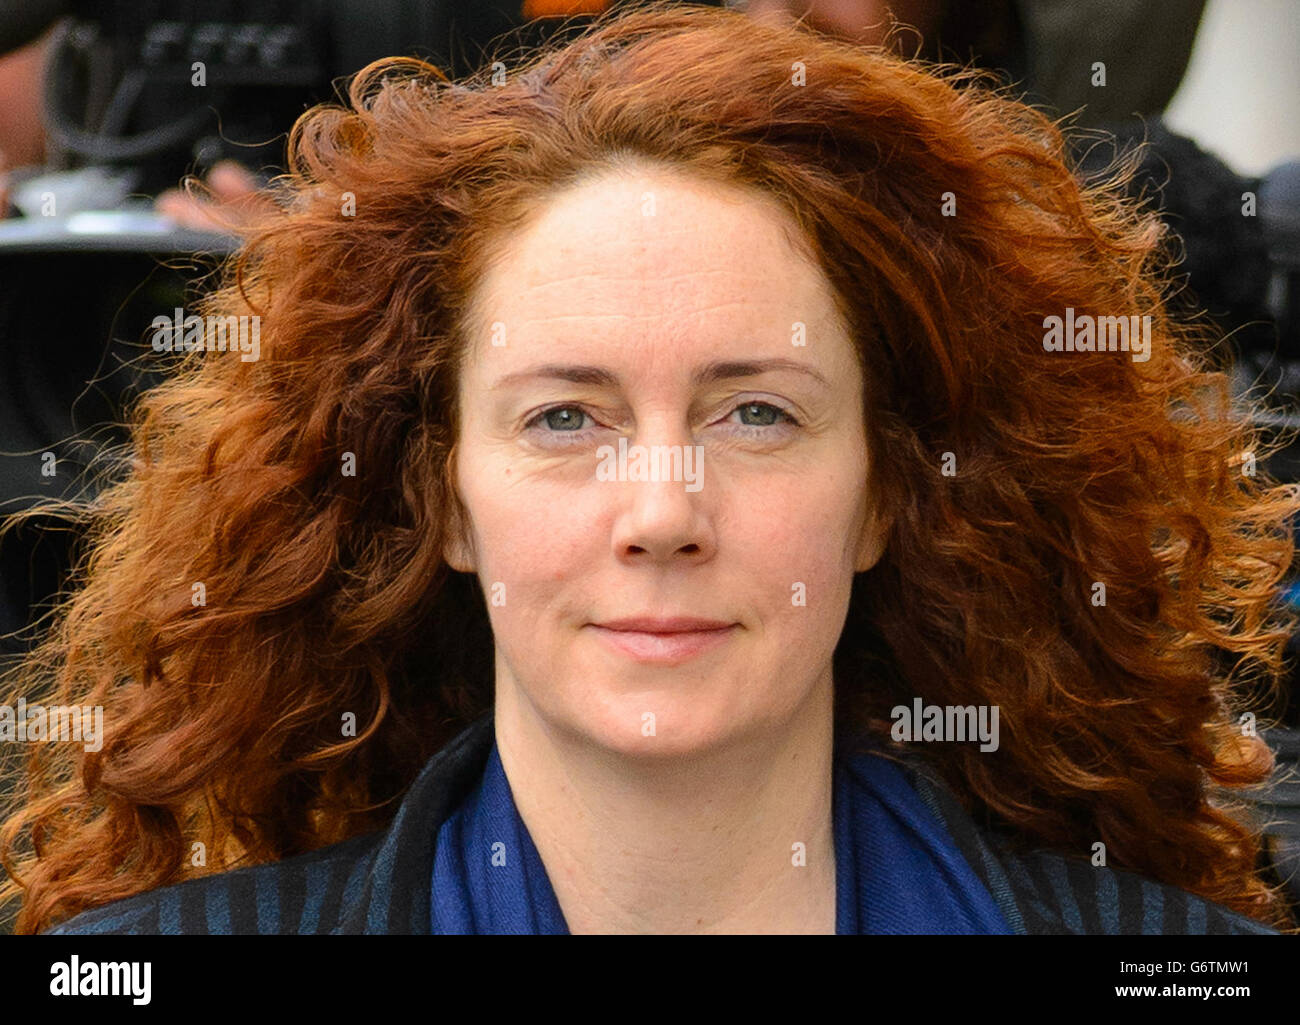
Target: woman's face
[653,309]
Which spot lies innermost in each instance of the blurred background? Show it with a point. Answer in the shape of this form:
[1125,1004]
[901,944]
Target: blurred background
[105,106]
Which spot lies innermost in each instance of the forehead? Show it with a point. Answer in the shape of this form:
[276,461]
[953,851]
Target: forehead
[643,249]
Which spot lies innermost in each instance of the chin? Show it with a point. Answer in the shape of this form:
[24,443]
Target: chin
[687,720]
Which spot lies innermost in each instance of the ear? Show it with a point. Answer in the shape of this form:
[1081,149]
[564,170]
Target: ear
[871,543]
[457,551]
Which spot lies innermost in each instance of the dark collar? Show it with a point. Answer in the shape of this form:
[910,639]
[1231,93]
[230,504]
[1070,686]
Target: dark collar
[397,894]
[396,897]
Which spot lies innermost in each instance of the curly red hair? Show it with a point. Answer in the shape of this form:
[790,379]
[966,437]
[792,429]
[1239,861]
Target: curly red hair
[951,224]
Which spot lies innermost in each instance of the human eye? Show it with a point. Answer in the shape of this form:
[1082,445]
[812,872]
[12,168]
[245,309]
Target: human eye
[764,418]
[560,424]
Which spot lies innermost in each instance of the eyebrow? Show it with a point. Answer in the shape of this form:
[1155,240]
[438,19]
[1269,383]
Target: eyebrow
[723,370]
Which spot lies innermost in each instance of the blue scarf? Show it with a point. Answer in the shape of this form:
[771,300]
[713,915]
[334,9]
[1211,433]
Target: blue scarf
[896,868]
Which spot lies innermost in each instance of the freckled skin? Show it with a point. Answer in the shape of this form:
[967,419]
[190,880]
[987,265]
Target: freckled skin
[710,276]
[688,827]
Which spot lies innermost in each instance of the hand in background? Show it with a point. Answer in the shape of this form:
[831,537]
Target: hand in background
[236,199]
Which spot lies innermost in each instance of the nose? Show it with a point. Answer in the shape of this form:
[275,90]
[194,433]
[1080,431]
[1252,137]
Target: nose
[661,518]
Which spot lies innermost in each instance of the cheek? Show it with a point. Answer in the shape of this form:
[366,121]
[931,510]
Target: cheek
[801,530]
[805,555]
[532,533]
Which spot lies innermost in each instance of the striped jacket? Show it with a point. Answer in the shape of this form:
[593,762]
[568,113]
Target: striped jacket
[381,882]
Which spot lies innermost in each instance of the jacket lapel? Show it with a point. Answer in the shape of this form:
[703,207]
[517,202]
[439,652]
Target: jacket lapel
[396,897]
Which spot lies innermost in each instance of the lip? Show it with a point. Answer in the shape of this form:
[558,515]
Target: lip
[664,625]
[663,641]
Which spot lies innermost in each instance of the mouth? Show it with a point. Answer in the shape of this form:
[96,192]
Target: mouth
[663,641]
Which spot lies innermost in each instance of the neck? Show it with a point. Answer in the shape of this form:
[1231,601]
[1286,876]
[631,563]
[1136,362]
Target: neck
[698,843]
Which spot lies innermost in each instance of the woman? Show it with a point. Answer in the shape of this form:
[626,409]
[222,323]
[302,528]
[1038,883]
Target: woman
[660,505]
